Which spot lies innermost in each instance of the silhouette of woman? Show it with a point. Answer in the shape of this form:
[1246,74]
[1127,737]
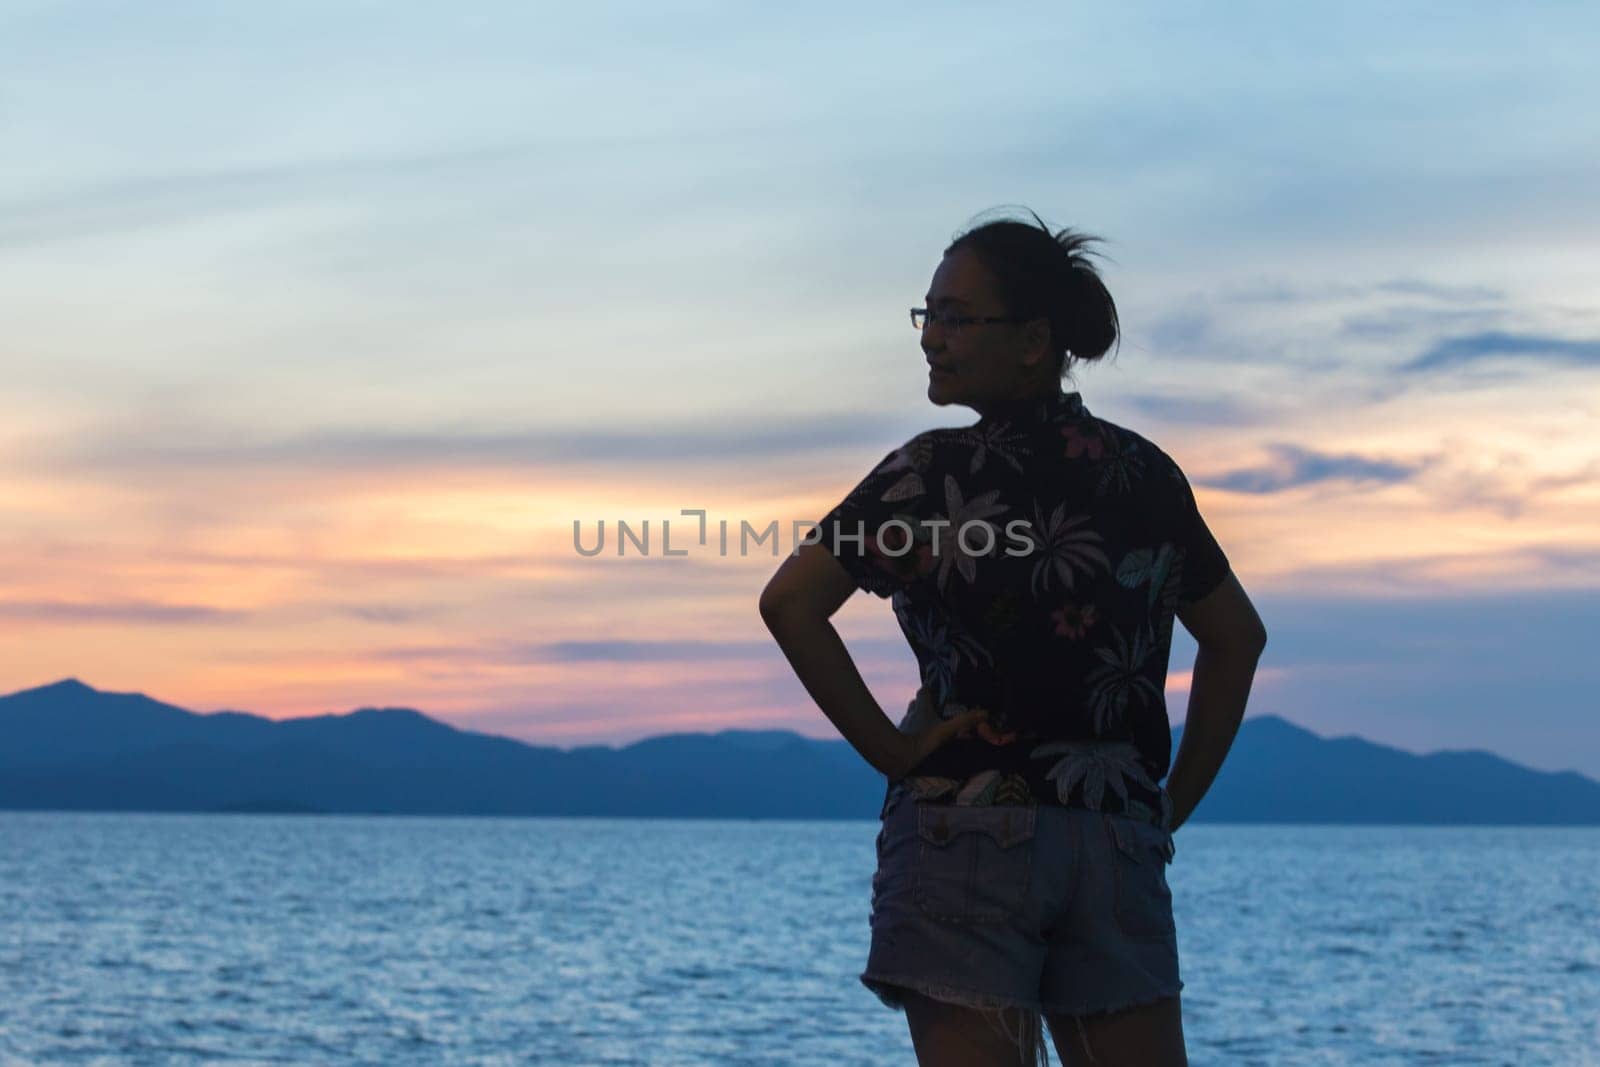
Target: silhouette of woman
[1036,560]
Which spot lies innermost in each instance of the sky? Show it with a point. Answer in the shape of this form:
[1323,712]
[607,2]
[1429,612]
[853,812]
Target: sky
[324,322]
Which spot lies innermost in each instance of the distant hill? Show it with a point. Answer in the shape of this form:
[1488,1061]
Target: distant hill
[69,746]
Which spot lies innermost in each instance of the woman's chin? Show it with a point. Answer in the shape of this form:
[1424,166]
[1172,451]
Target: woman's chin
[940,392]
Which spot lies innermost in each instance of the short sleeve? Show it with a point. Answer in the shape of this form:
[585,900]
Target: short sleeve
[875,532]
[1205,565]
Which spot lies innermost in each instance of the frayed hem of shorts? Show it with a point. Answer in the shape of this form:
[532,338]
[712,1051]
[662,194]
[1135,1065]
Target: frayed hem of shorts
[1028,1037]
[1120,1005]
[967,998]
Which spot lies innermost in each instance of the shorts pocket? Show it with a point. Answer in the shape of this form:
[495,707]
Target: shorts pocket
[1144,900]
[974,863]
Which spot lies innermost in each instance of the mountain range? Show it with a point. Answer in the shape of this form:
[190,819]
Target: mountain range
[68,746]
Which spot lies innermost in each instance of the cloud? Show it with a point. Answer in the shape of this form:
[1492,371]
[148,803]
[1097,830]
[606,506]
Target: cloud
[165,199]
[1279,292]
[1193,408]
[1532,569]
[715,437]
[1510,496]
[1452,294]
[624,651]
[648,651]
[1393,322]
[1182,330]
[382,613]
[1472,348]
[1296,466]
[142,201]
[135,611]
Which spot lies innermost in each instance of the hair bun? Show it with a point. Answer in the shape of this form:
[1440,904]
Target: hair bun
[1048,273]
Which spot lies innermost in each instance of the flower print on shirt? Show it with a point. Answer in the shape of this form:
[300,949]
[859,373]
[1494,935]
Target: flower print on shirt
[1082,441]
[1073,620]
[898,554]
[1066,641]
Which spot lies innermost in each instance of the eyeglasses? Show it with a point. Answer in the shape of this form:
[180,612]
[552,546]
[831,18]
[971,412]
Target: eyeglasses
[920,317]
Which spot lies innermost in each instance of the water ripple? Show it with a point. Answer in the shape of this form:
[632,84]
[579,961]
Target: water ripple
[174,939]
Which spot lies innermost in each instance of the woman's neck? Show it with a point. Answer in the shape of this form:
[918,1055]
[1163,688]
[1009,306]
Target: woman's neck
[1024,396]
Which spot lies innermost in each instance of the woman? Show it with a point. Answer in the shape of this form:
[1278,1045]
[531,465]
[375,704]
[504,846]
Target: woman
[1036,560]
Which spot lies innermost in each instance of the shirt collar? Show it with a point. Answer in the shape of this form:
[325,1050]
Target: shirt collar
[1051,407]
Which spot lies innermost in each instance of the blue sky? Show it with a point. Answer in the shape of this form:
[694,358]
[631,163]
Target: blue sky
[325,321]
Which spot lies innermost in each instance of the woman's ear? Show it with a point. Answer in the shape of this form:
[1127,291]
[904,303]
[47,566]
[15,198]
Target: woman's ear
[1035,342]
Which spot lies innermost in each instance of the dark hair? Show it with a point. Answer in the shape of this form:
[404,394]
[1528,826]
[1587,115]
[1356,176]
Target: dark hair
[1048,275]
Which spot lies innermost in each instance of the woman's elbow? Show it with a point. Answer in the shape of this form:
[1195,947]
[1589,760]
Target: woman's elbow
[811,586]
[776,603]
[1256,639]
[1249,642]
[770,604]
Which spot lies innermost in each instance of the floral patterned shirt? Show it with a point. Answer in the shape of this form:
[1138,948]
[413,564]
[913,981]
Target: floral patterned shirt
[1035,560]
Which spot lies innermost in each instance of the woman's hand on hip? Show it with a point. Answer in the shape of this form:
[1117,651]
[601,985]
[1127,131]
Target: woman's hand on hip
[918,740]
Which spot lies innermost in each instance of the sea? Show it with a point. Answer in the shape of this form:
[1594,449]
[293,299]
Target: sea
[326,940]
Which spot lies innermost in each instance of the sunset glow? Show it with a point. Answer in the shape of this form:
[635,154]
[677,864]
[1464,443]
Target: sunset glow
[306,389]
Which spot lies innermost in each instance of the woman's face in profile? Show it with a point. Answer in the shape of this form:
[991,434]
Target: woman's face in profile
[977,362]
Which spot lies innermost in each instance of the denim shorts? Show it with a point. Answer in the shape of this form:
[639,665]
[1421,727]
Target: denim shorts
[1043,908]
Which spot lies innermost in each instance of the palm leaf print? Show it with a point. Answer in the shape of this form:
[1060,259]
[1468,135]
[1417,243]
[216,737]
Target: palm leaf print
[979,788]
[1119,678]
[904,458]
[1064,549]
[1144,565]
[906,488]
[919,451]
[914,455]
[943,644]
[1119,465]
[1134,568]
[1013,789]
[961,512]
[1168,601]
[998,440]
[929,787]
[1094,767]
[1140,810]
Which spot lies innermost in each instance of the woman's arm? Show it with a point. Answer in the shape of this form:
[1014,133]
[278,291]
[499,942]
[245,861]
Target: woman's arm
[1231,637]
[796,605]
